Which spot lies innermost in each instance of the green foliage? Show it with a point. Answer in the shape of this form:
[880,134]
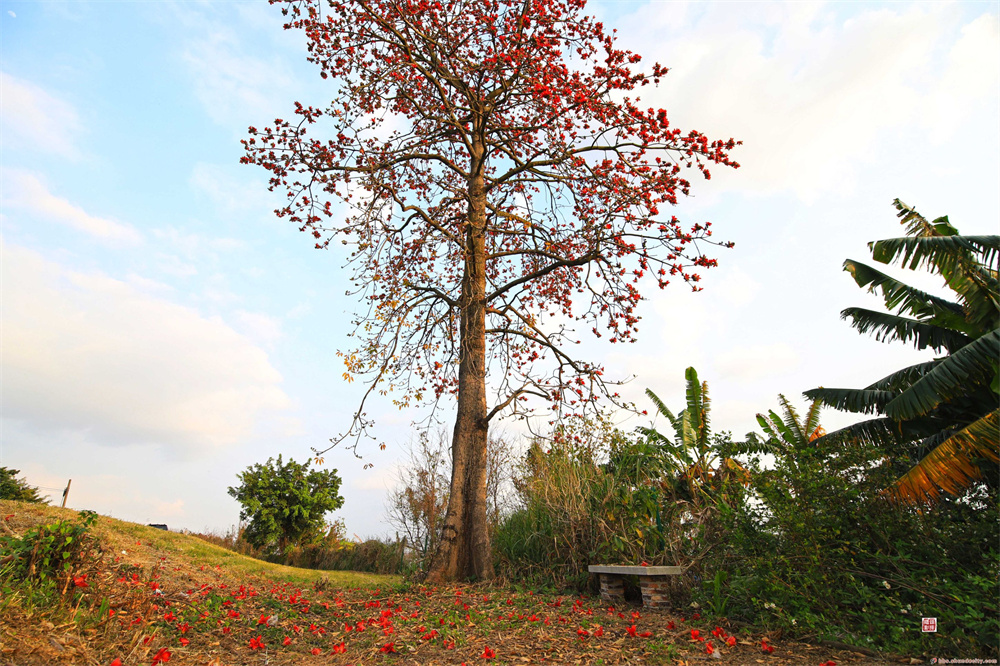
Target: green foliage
[13,488]
[39,567]
[938,420]
[598,495]
[821,553]
[284,504]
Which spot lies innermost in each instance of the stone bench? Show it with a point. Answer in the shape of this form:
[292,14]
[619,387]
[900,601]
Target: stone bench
[653,583]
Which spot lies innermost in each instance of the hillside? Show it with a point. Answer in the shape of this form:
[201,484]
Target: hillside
[137,595]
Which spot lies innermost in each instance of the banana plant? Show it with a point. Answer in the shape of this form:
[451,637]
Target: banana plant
[939,418]
[691,458]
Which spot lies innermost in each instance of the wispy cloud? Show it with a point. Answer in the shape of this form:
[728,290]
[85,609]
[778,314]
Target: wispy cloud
[86,352]
[35,119]
[811,93]
[26,191]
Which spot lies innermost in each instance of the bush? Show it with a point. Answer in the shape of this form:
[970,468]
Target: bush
[823,553]
[13,488]
[47,562]
[598,496]
[284,504]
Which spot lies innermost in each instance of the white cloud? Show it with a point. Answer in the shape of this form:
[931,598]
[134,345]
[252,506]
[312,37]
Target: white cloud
[753,363]
[259,327]
[810,94]
[235,87]
[227,191]
[27,192]
[33,119]
[88,353]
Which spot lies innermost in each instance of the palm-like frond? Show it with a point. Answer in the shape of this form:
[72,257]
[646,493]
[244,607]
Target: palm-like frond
[861,401]
[953,465]
[907,299]
[694,398]
[661,407]
[792,425]
[943,254]
[973,364]
[889,327]
[812,417]
[903,379]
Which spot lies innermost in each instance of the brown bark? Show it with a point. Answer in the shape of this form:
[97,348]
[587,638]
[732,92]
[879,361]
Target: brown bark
[464,552]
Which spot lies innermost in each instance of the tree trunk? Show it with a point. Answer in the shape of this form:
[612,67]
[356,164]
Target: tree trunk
[464,551]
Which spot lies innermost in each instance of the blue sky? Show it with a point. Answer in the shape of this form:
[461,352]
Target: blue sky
[161,330]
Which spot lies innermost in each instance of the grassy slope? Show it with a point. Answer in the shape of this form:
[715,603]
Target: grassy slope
[148,591]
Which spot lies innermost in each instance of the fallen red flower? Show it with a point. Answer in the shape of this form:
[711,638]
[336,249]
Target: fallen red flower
[488,653]
[80,581]
[316,651]
[256,643]
[184,642]
[287,641]
[339,649]
[765,647]
[116,662]
[731,641]
[631,630]
[388,647]
[161,657]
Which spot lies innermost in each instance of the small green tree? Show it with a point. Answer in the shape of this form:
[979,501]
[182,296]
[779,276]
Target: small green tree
[284,503]
[13,488]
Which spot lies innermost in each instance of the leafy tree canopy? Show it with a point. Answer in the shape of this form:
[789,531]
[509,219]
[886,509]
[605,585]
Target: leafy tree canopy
[285,502]
[13,488]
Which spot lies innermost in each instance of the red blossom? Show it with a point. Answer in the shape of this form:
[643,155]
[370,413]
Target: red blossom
[256,643]
[161,657]
[80,581]
[488,653]
[387,648]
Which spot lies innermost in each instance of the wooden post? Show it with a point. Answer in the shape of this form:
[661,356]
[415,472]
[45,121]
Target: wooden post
[66,493]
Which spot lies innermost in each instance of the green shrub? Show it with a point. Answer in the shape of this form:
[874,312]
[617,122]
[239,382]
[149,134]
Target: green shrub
[47,561]
[822,552]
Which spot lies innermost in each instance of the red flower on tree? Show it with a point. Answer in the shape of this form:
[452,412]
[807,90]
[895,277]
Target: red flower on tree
[520,179]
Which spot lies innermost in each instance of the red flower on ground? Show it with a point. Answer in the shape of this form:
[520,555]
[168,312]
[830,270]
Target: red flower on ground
[696,635]
[80,581]
[387,648]
[449,645]
[599,632]
[765,647]
[256,643]
[708,648]
[631,630]
[488,653]
[316,651]
[116,662]
[287,641]
[829,663]
[226,630]
[184,642]
[161,657]
[731,641]
[340,649]
[671,625]
[646,634]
